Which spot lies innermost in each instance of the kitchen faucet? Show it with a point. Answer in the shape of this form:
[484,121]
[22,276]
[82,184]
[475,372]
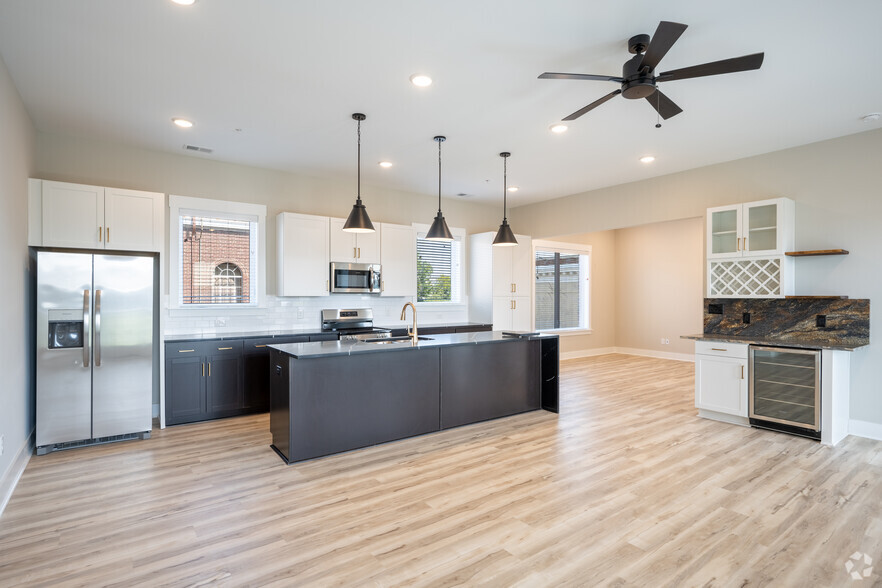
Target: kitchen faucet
[412,333]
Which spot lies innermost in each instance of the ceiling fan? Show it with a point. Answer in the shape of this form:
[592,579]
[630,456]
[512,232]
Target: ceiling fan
[639,79]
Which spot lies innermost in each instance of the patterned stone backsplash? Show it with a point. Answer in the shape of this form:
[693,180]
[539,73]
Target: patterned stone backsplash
[846,321]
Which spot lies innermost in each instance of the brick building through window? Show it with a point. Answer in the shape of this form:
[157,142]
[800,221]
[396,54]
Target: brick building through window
[216,260]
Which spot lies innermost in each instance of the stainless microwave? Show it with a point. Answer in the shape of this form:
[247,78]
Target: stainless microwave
[357,278]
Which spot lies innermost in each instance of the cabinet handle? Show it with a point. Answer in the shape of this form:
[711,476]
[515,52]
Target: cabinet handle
[359,253]
[742,372]
[107,234]
[738,244]
[512,287]
[222,349]
[382,285]
[744,244]
[99,233]
[327,285]
[355,252]
[717,349]
[203,369]
[260,345]
[186,350]
[209,369]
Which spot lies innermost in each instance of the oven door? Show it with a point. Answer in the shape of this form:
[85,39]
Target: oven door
[785,389]
[358,278]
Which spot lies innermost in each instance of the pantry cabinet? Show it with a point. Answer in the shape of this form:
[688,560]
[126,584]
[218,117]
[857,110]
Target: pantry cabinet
[398,259]
[501,281]
[95,217]
[353,247]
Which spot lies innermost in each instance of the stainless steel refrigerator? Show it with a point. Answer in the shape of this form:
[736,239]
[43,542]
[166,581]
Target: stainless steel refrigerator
[95,351]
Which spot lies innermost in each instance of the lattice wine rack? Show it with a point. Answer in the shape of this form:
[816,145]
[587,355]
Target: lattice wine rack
[747,278]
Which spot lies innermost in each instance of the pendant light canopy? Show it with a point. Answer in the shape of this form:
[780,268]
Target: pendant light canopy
[358,221]
[439,230]
[504,237]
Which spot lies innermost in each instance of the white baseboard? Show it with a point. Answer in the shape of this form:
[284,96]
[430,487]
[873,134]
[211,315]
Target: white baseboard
[690,357]
[16,469]
[865,429]
[587,353]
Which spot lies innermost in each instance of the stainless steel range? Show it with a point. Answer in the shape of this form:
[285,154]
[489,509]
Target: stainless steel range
[356,324]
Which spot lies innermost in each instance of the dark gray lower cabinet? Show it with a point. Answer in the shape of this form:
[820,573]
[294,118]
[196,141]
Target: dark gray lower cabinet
[482,382]
[328,405]
[256,362]
[203,380]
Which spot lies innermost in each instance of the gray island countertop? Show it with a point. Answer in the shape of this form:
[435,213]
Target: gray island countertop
[339,348]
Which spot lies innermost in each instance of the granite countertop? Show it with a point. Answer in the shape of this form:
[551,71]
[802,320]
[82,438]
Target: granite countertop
[340,348]
[802,342]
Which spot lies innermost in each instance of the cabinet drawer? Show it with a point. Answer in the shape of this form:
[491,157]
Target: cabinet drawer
[224,347]
[721,349]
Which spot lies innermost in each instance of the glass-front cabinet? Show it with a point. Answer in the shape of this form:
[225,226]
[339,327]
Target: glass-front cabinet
[751,229]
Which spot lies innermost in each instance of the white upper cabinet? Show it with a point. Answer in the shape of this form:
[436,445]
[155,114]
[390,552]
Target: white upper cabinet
[398,257]
[302,255]
[94,217]
[353,247]
[752,229]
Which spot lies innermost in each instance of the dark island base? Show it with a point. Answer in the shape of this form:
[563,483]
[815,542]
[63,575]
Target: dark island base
[326,405]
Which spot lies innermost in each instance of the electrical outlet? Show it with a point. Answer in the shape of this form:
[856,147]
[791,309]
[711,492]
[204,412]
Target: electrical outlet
[220,322]
[667,341]
[300,312]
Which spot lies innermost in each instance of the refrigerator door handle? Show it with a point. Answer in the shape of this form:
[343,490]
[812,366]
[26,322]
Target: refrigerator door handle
[97,328]
[86,334]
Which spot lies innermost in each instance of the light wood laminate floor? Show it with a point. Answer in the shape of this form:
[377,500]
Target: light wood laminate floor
[627,487]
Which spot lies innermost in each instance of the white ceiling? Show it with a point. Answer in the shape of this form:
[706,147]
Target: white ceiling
[289,73]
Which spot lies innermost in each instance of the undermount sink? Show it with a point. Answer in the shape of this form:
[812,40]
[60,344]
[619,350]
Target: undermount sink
[390,340]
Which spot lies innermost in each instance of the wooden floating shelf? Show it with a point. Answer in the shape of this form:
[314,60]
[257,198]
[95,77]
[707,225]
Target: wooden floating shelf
[821,297]
[817,252]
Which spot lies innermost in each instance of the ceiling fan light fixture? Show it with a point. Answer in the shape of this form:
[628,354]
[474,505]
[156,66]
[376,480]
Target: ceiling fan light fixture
[439,231]
[420,80]
[358,220]
[504,236]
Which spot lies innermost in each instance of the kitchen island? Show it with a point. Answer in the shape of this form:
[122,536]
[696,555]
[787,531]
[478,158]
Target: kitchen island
[333,396]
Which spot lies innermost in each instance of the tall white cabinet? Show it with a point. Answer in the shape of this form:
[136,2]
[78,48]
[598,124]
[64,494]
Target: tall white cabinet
[95,217]
[303,255]
[501,283]
[398,258]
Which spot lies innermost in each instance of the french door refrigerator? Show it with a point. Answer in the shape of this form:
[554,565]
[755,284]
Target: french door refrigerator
[95,329]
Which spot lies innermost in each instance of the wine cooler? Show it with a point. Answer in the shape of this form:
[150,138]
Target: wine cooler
[785,390]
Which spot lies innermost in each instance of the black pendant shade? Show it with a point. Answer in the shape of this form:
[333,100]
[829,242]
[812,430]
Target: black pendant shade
[439,230]
[504,236]
[358,220]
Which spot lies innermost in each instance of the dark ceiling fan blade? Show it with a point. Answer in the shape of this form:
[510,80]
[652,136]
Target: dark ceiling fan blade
[571,76]
[735,64]
[664,38]
[592,106]
[663,105]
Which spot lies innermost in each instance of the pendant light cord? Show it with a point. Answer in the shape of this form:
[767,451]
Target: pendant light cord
[439,176]
[358,188]
[504,189]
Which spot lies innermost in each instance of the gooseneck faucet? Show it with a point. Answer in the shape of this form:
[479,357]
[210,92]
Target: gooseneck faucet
[412,333]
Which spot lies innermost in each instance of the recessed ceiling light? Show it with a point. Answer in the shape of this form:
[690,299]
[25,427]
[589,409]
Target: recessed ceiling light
[873,116]
[184,2]
[647,159]
[558,128]
[512,188]
[385,164]
[182,122]
[421,80]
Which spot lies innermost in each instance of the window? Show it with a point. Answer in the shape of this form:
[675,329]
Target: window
[439,268]
[215,253]
[561,287]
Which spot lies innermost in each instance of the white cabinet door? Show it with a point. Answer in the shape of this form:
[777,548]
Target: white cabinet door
[73,215]
[133,220]
[762,229]
[721,384]
[367,246]
[302,255]
[724,231]
[521,313]
[502,260]
[522,266]
[343,245]
[502,313]
[398,257]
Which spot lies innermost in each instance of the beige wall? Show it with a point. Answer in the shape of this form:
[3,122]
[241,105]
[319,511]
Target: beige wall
[836,185]
[105,164]
[17,346]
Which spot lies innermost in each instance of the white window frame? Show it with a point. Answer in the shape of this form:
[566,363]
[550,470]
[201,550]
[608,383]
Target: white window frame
[572,248]
[459,235]
[188,205]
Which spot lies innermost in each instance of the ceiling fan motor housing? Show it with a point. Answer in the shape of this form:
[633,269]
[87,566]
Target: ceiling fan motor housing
[637,84]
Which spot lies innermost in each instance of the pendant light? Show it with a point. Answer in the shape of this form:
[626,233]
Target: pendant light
[358,221]
[504,237]
[439,230]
